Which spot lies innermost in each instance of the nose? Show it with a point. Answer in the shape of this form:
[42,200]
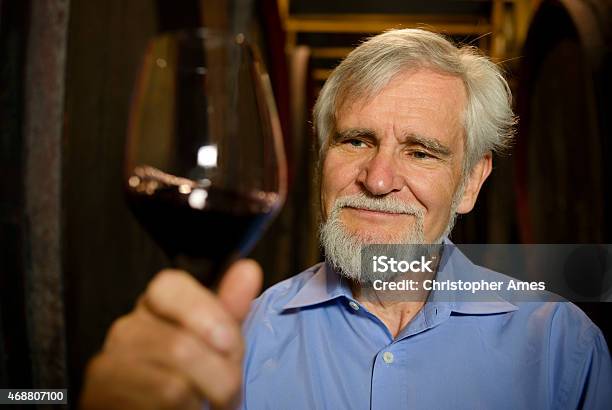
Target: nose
[379,174]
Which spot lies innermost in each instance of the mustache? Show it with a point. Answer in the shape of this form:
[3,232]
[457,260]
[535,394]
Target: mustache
[380,204]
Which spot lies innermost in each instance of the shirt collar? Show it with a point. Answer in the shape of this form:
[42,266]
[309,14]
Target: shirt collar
[456,266]
[324,285]
[327,284]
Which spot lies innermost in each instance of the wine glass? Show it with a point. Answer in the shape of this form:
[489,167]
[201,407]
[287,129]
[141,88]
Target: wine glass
[205,168]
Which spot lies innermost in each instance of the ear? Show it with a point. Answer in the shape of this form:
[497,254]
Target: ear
[476,178]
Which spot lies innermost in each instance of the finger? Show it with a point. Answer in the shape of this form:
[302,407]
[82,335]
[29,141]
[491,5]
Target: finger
[148,339]
[239,286]
[178,297]
[115,382]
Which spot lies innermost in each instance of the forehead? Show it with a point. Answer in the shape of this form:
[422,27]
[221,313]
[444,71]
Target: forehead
[420,101]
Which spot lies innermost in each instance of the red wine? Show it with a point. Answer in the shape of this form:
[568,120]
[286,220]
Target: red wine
[200,229]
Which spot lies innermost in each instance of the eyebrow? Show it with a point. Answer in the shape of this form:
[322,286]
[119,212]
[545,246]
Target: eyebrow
[428,143]
[354,133]
[409,138]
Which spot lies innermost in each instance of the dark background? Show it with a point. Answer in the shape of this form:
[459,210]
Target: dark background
[72,258]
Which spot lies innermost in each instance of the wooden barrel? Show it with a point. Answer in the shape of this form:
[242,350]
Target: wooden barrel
[563,167]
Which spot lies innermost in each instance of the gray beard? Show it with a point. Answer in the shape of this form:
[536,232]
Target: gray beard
[343,248]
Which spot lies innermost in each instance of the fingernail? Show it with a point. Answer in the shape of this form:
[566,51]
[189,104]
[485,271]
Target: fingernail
[221,338]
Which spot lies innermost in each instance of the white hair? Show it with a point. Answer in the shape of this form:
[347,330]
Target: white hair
[488,119]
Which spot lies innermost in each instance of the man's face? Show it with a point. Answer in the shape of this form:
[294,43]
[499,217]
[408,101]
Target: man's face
[404,145]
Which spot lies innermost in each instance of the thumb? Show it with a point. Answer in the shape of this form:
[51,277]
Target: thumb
[239,286]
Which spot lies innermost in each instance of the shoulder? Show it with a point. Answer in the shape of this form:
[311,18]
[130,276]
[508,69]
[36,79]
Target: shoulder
[558,342]
[578,357]
[541,320]
[564,323]
[545,312]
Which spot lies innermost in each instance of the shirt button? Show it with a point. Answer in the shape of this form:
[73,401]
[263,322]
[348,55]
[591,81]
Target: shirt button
[354,305]
[388,357]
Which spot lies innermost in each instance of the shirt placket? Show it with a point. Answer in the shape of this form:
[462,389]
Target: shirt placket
[387,384]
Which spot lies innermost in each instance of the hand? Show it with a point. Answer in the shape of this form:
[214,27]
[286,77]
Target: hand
[181,345]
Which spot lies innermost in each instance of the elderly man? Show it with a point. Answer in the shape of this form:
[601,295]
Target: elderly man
[407,123]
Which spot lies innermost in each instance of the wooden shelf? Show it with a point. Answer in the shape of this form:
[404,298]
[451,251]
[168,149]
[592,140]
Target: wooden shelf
[375,23]
[499,33]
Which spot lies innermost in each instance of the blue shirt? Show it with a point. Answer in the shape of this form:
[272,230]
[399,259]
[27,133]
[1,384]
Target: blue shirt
[310,345]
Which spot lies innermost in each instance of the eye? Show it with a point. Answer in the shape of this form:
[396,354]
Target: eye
[355,143]
[421,155]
